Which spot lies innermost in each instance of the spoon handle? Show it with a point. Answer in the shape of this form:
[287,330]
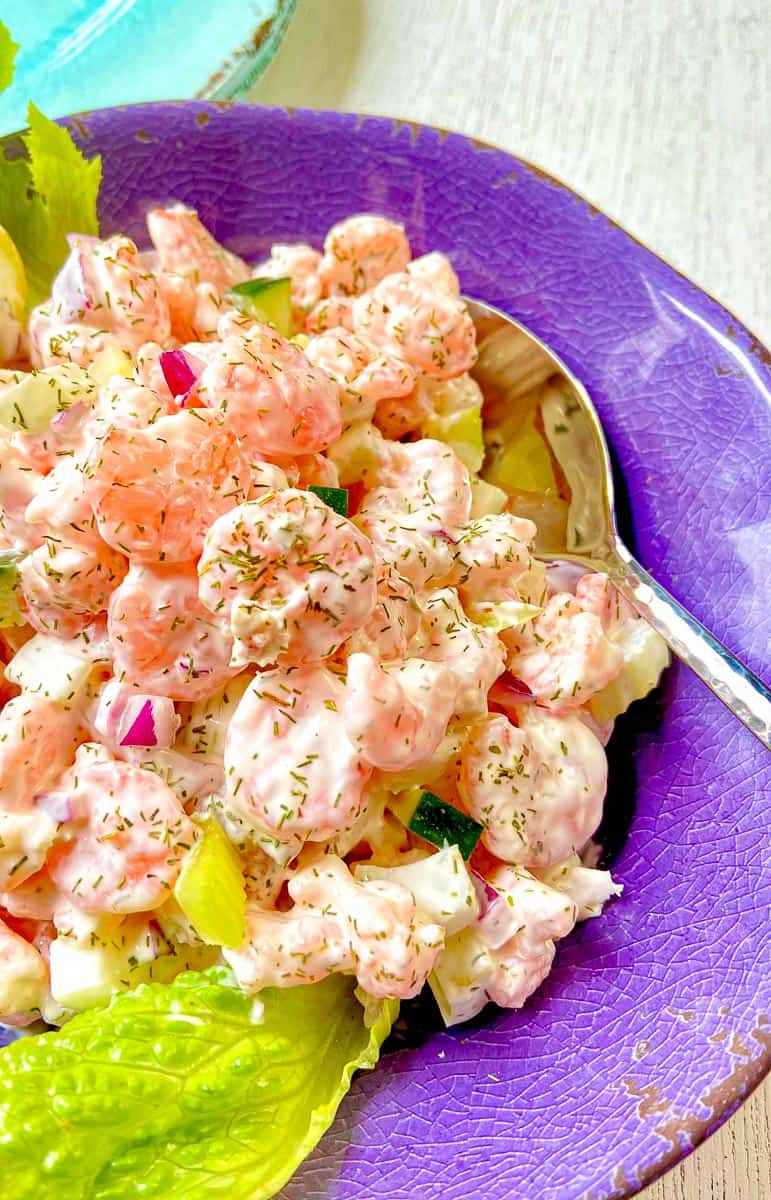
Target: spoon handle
[741,691]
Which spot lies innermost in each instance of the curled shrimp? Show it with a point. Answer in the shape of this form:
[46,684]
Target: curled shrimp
[194,308]
[430,330]
[300,263]
[21,480]
[422,556]
[60,506]
[292,774]
[429,475]
[331,313]
[288,577]
[23,974]
[537,789]
[475,655]
[38,739]
[363,374]
[123,850]
[396,416]
[360,251]
[566,656]
[436,271]
[162,638]
[64,585]
[269,394]
[492,553]
[103,296]
[129,404]
[372,929]
[186,247]
[394,620]
[156,491]
[396,716]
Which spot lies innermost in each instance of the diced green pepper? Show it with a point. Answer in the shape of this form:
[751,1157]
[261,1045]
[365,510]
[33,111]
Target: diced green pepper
[336,498]
[443,825]
[267,300]
[211,890]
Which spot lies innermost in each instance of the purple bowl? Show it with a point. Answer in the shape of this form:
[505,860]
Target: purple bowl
[653,1025]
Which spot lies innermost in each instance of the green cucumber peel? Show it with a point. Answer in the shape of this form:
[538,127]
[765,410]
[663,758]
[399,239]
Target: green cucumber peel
[336,498]
[444,825]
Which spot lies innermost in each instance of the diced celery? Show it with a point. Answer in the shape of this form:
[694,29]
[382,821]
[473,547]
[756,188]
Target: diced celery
[442,824]
[506,615]
[440,884]
[462,431]
[211,890]
[10,613]
[266,300]
[357,451]
[645,657]
[204,733]
[460,976]
[486,500]
[49,667]
[336,498]
[29,405]
[524,463]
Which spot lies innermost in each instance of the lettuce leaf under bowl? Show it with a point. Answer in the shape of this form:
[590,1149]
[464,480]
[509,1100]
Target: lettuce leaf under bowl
[190,1090]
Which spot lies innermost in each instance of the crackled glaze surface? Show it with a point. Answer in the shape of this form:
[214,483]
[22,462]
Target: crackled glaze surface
[657,1019]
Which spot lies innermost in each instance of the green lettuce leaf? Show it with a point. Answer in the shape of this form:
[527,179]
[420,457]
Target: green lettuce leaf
[8,48]
[190,1088]
[45,196]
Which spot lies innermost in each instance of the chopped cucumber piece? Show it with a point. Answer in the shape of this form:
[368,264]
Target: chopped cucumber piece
[440,884]
[524,463]
[645,657]
[84,975]
[267,300]
[336,498]
[462,431]
[10,612]
[211,890]
[443,825]
[52,668]
[506,615]
[486,500]
[29,405]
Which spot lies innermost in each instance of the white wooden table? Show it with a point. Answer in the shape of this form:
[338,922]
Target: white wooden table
[659,111]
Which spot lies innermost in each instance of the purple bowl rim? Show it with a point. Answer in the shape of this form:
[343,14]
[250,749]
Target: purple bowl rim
[757,347]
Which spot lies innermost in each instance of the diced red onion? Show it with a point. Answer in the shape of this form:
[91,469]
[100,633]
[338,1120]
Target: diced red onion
[486,893]
[128,718]
[563,576]
[141,732]
[444,535]
[56,805]
[508,693]
[181,372]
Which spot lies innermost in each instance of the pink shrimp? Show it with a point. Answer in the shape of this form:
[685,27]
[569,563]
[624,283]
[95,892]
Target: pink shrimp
[596,594]
[538,789]
[396,717]
[336,311]
[38,739]
[162,638]
[492,553]
[396,416]
[129,404]
[34,899]
[404,539]
[124,848]
[430,330]
[292,774]
[156,491]
[23,974]
[475,655]
[429,475]
[301,263]
[372,929]
[194,308]
[566,656]
[363,374]
[360,251]
[288,577]
[21,479]
[64,585]
[186,247]
[587,887]
[315,470]
[436,271]
[268,392]
[102,297]
[394,620]
[60,506]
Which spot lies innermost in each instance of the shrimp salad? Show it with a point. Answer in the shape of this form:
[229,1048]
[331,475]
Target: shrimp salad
[285,683]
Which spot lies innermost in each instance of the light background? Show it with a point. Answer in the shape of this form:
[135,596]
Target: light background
[659,112]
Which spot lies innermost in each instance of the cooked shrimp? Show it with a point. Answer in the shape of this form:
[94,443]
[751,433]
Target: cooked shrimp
[396,717]
[432,332]
[360,251]
[20,481]
[288,577]
[567,657]
[269,394]
[124,849]
[60,505]
[331,313]
[314,469]
[394,620]
[475,655]
[38,740]
[337,924]
[537,789]
[162,638]
[363,374]
[186,247]
[492,552]
[23,974]
[292,774]
[596,594]
[429,475]
[102,297]
[587,887]
[396,416]
[404,539]
[436,271]
[65,585]
[34,899]
[194,308]
[130,404]
[301,263]
[156,491]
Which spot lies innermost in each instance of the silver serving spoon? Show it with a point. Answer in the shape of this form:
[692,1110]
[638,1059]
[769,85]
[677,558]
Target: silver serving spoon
[513,362]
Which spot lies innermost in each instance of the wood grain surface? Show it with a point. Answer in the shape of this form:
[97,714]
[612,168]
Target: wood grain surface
[659,111]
